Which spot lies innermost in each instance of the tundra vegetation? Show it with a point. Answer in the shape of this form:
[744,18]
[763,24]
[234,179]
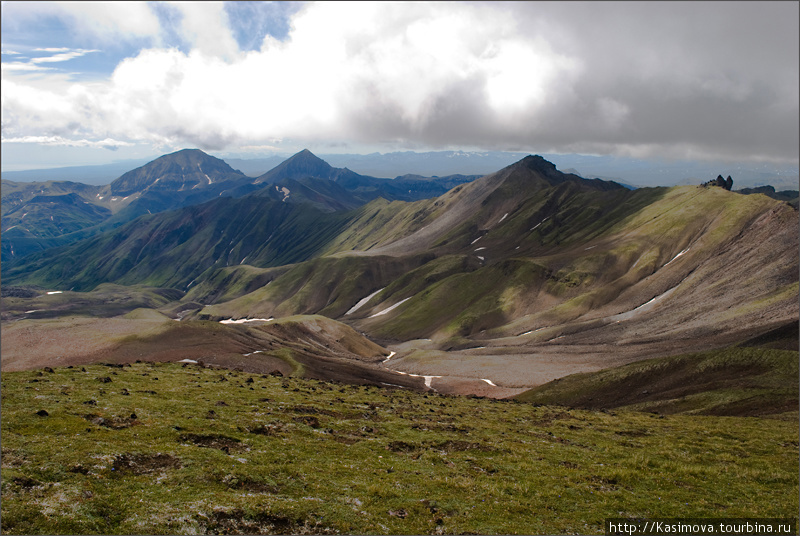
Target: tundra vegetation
[157,448]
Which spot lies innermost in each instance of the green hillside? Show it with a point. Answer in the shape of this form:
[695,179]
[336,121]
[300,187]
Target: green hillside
[163,448]
[730,381]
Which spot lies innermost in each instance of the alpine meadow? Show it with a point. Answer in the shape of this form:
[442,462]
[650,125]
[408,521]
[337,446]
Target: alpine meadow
[524,268]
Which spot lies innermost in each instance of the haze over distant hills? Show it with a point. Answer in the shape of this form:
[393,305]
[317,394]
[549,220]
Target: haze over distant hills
[388,165]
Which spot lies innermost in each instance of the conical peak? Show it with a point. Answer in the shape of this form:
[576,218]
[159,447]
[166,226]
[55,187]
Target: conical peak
[305,154]
[537,162]
[306,159]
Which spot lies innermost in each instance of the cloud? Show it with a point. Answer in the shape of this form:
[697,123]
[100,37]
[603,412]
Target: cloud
[100,22]
[648,79]
[65,55]
[205,26]
[22,66]
[111,20]
[58,140]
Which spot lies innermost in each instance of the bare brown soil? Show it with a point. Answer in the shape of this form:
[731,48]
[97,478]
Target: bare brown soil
[29,344]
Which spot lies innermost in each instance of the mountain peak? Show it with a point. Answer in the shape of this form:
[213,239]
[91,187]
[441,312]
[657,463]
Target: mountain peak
[538,163]
[299,166]
[533,168]
[181,170]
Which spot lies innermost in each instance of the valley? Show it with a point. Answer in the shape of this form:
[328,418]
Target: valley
[501,284]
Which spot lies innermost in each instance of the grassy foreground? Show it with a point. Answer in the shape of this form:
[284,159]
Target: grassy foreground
[163,448]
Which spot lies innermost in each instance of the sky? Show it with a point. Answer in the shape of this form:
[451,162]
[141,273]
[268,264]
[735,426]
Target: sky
[91,83]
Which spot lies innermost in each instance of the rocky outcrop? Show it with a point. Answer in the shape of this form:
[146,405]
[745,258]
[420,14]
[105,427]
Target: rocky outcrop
[722,183]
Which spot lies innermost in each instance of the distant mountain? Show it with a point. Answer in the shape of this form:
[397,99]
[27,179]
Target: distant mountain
[190,177]
[96,175]
[322,194]
[174,248]
[790,196]
[632,171]
[179,179]
[301,165]
[47,217]
[15,194]
[183,170]
[363,187]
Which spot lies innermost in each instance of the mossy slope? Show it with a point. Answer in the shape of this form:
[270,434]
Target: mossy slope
[162,448]
[732,381]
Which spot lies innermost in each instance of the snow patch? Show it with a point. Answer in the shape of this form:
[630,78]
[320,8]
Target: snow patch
[256,352]
[479,249]
[283,190]
[590,247]
[529,332]
[538,224]
[389,357]
[392,308]
[187,361]
[55,292]
[678,255]
[481,258]
[362,302]
[428,379]
[489,382]
[245,320]
[644,307]
[475,240]
[504,217]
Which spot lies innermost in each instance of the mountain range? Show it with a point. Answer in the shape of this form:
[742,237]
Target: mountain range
[489,285]
[185,178]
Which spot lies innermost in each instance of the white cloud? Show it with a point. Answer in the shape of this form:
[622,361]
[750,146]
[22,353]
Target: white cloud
[206,27]
[519,76]
[111,20]
[66,55]
[107,143]
[103,22]
[22,66]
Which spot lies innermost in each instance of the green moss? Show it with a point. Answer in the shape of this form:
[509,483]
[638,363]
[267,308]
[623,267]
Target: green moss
[755,380]
[370,461]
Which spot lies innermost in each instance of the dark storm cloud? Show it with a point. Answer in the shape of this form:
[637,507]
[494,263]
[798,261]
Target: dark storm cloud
[674,78]
[666,79]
